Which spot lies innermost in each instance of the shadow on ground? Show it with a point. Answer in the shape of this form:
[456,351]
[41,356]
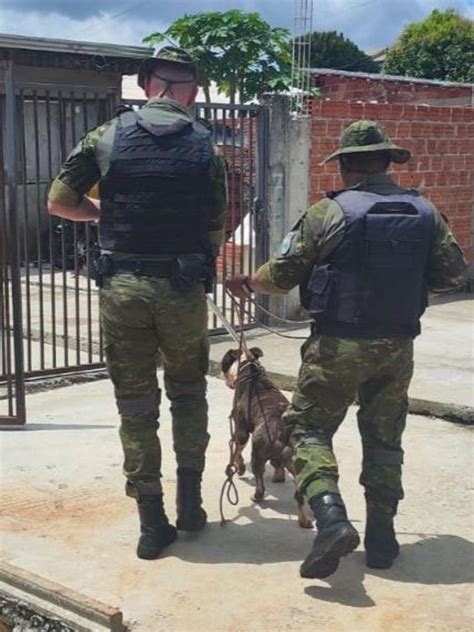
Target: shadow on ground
[441,560]
[432,559]
[36,427]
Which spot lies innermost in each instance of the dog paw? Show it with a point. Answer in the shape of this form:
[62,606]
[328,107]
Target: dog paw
[306,523]
[241,470]
[257,498]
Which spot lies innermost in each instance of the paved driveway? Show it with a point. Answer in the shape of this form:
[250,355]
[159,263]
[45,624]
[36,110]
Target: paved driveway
[65,517]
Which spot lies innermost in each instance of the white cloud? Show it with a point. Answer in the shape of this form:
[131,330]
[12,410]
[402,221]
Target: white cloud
[93,29]
[370,23]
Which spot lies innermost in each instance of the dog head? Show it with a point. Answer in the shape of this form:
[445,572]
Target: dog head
[233,359]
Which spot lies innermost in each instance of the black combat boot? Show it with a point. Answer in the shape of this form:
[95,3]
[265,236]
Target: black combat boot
[336,536]
[191,516]
[156,532]
[381,546]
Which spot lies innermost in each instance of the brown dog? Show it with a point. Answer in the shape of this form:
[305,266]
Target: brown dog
[258,410]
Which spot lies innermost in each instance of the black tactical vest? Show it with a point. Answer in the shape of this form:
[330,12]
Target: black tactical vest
[373,284]
[156,195]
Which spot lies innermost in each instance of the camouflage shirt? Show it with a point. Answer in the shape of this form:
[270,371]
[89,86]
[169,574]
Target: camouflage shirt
[322,228]
[90,159]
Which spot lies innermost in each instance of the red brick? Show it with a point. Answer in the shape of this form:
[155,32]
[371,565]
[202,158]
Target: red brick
[430,179]
[398,111]
[437,163]
[335,109]
[463,130]
[409,180]
[418,147]
[357,110]
[423,163]
[412,165]
[403,129]
[328,167]
[462,114]
[374,110]
[335,128]
[420,130]
[325,183]
[319,127]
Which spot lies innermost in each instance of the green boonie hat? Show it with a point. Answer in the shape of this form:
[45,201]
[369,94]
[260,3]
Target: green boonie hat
[168,54]
[365,136]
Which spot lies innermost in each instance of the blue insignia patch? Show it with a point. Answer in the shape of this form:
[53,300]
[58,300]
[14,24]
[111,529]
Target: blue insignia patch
[286,244]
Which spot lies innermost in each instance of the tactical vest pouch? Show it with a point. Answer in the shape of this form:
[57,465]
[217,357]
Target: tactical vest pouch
[188,271]
[320,285]
[392,240]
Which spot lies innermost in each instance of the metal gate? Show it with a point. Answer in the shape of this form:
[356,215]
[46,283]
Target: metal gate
[49,305]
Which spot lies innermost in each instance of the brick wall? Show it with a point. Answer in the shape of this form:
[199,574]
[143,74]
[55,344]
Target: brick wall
[441,140]
[347,86]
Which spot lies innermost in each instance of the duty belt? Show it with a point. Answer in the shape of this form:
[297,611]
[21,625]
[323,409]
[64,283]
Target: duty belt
[185,271]
[159,269]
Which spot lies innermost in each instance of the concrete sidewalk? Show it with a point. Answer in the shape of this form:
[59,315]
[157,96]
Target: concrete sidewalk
[443,383]
[65,517]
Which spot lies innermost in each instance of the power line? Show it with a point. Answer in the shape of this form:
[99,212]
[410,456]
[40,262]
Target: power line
[350,7]
[135,6]
[108,18]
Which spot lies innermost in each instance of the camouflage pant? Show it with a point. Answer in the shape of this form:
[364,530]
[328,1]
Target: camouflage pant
[334,372]
[142,319]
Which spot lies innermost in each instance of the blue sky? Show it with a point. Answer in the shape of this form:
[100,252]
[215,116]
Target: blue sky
[371,24]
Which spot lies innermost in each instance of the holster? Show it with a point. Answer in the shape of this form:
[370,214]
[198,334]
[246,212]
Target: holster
[100,266]
[211,270]
[188,271]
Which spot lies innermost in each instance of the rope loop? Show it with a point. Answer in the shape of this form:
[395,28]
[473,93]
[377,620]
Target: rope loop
[229,490]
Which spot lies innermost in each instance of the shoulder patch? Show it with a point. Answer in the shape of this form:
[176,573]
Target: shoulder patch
[289,245]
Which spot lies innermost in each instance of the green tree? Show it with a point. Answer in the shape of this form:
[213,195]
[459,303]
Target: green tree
[240,51]
[330,49]
[439,47]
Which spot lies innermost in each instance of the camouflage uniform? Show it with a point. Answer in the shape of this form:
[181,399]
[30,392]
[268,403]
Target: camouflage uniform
[143,317]
[335,370]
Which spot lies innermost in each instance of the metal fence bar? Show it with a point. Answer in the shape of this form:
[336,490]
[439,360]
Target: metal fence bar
[63,153]
[52,253]
[5,325]
[101,337]
[39,216]
[75,227]
[224,257]
[26,231]
[261,200]
[88,249]
[250,197]
[17,415]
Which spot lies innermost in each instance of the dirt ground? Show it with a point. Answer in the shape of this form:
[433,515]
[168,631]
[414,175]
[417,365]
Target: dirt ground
[64,516]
